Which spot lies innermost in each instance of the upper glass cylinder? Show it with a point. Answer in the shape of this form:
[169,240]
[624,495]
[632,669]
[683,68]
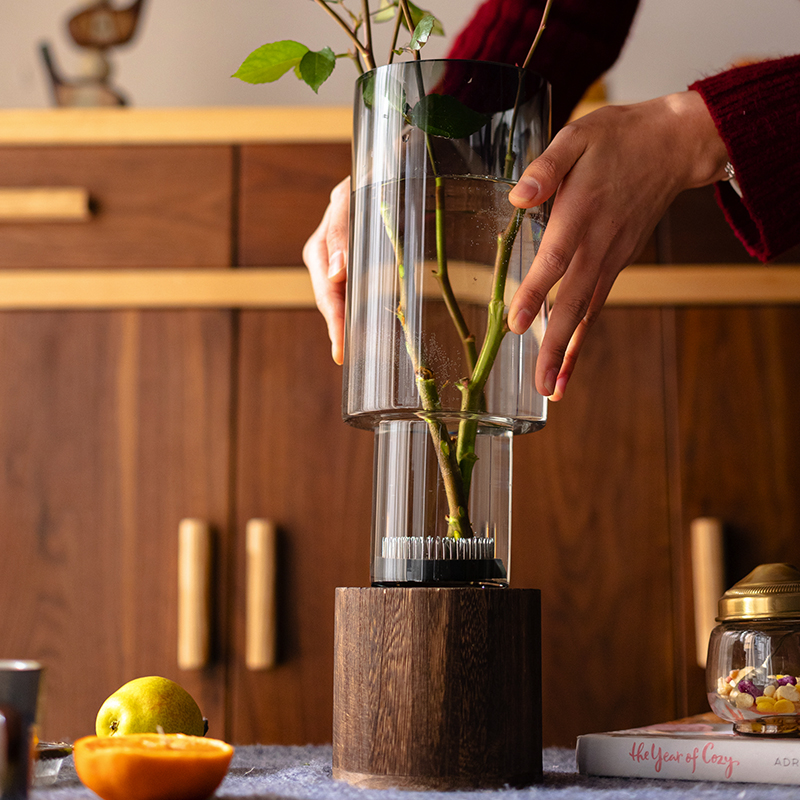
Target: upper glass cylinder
[437,250]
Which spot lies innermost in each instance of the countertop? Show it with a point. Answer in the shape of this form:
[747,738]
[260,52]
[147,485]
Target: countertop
[305,773]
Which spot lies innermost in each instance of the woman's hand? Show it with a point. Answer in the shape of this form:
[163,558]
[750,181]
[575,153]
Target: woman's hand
[613,174]
[325,255]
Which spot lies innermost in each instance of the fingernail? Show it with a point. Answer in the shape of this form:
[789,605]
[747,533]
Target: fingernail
[561,387]
[521,320]
[525,190]
[550,381]
[335,264]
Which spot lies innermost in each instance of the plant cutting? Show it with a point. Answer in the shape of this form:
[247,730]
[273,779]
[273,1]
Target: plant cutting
[466,128]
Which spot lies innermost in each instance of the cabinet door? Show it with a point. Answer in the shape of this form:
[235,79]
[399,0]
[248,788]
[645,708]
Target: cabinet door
[298,463]
[113,426]
[591,530]
[302,467]
[732,428]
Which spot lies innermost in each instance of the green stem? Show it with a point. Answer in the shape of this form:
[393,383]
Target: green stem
[443,277]
[366,52]
[497,326]
[395,33]
[472,390]
[409,22]
[511,156]
[458,522]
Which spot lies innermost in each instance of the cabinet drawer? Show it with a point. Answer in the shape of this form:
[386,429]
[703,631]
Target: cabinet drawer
[284,192]
[148,206]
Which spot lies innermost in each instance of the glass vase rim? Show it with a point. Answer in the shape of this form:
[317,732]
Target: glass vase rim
[405,64]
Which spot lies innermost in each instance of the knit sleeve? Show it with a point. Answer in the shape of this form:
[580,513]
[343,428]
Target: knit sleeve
[756,109]
[582,40]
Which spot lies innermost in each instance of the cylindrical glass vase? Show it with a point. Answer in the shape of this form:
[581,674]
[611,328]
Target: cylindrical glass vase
[436,253]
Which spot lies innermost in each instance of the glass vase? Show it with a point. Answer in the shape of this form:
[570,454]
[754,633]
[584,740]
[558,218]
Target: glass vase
[436,253]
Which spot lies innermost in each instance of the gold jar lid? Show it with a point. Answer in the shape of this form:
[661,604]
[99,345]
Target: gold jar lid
[769,591]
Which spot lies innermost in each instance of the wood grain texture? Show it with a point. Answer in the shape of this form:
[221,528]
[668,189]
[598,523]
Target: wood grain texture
[152,206]
[113,427]
[437,688]
[284,193]
[738,438]
[302,467]
[590,529]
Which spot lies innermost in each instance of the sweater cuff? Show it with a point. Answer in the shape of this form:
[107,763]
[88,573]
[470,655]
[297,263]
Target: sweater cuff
[756,109]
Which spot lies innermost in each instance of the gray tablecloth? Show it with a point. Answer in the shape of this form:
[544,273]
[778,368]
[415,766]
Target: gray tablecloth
[305,772]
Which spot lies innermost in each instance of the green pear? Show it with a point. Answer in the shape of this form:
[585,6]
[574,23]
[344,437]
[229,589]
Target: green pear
[147,705]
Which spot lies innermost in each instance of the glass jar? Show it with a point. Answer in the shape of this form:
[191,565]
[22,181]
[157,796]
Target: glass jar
[753,668]
[436,253]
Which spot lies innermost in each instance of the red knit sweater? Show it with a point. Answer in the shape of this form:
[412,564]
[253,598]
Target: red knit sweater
[756,108]
[757,112]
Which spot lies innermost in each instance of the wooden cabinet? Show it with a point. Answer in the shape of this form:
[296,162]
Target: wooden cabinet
[114,426]
[117,423]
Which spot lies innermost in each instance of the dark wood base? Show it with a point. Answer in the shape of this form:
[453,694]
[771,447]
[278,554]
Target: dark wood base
[437,688]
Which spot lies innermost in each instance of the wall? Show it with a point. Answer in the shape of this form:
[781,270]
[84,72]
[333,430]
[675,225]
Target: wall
[187,49]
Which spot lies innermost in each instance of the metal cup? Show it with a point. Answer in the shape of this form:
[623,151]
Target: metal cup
[19,693]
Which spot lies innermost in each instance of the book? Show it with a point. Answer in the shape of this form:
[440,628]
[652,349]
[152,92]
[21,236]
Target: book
[702,748]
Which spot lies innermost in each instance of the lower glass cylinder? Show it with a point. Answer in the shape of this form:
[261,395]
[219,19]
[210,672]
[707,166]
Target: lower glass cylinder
[410,541]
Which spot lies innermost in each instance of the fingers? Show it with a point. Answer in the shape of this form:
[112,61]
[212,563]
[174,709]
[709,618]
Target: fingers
[338,230]
[573,349]
[325,256]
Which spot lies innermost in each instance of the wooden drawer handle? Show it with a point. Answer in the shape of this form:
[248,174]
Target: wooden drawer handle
[708,579]
[194,599]
[44,204]
[261,634]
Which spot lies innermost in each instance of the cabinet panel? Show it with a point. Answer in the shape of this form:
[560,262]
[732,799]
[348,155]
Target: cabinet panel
[738,439]
[302,467]
[113,426]
[152,206]
[591,531]
[285,190]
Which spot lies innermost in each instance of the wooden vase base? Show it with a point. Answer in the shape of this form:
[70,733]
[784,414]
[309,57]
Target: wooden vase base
[437,688]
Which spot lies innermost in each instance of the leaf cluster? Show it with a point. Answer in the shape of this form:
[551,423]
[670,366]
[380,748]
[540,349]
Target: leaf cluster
[273,60]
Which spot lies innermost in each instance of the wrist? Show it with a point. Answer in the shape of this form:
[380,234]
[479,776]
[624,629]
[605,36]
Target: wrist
[706,157]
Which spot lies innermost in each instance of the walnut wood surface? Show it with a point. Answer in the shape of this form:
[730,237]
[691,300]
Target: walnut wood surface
[437,688]
[591,530]
[284,193]
[152,206]
[738,439]
[113,426]
[300,466]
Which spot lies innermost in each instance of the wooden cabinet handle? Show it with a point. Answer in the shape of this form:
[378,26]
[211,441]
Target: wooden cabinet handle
[44,204]
[261,634]
[194,599]
[708,579]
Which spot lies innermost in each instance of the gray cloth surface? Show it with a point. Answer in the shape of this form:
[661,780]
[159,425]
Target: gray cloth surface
[272,772]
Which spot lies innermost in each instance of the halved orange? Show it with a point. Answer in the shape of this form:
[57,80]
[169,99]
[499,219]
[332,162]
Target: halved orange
[152,766]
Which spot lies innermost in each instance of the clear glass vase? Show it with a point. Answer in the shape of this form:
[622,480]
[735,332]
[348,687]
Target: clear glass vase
[436,254]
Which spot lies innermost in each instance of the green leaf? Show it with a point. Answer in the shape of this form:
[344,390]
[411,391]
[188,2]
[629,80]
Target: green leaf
[270,61]
[417,14]
[316,67]
[443,115]
[422,32]
[388,11]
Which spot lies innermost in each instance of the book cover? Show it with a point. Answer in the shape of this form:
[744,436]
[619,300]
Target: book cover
[700,749]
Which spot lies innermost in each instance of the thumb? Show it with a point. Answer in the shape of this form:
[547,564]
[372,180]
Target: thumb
[544,174]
